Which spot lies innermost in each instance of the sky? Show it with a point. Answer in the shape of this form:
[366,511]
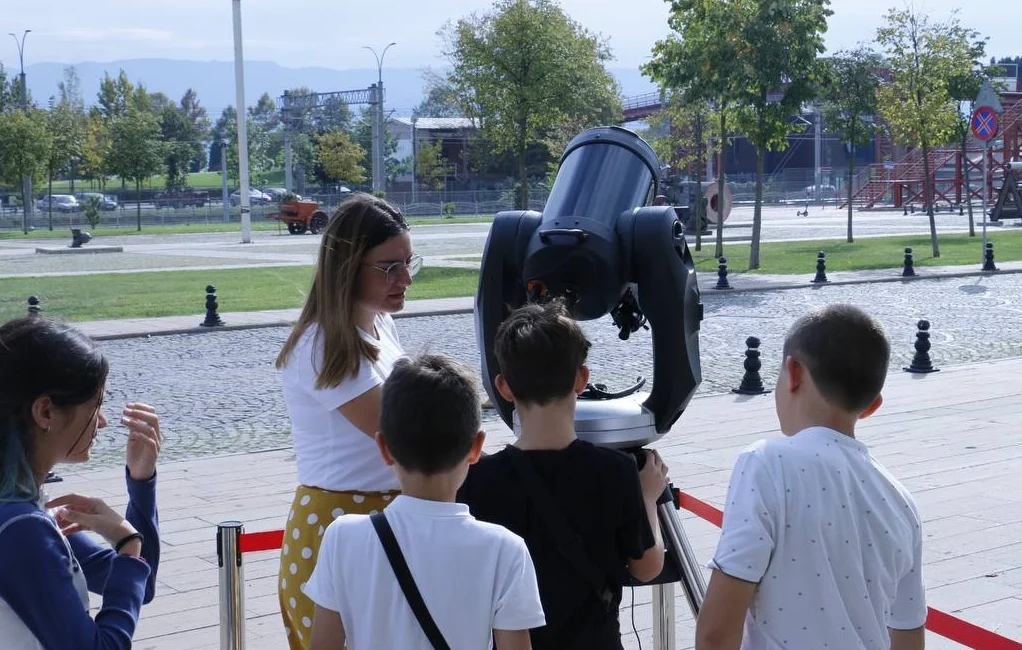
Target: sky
[331,33]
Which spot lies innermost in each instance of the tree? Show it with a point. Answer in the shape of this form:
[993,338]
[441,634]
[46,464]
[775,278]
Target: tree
[440,101]
[690,62]
[850,104]
[6,91]
[196,131]
[24,147]
[777,73]
[964,88]
[70,95]
[682,138]
[922,57]
[137,152]
[431,168]
[340,158]
[96,148]
[524,68]
[67,140]
[363,136]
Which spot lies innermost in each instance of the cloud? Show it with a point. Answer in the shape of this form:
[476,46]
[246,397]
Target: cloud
[107,34]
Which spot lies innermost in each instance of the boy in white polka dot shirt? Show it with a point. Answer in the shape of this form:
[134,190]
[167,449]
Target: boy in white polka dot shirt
[821,547]
[476,579]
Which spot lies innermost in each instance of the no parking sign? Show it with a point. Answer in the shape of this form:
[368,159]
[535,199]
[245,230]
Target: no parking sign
[984,123]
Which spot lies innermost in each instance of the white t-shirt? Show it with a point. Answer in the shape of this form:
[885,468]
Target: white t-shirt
[332,453]
[833,540]
[474,577]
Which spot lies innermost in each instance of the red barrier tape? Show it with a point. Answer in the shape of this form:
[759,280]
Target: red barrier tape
[938,622]
[267,541]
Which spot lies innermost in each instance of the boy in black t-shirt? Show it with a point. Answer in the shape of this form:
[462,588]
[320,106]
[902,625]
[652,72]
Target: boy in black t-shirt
[598,492]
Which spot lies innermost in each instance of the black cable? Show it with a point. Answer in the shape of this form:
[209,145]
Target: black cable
[634,629]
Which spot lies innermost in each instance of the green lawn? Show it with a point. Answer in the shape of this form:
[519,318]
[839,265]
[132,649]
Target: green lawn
[142,295]
[874,253]
[198,181]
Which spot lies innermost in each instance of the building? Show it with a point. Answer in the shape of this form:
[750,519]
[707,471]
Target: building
[453,134]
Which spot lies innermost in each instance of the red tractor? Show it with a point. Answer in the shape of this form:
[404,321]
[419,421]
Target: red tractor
[301,216]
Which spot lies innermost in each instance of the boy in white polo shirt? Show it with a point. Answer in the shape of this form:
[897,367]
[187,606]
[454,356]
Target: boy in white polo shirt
[821,547]
[475,580]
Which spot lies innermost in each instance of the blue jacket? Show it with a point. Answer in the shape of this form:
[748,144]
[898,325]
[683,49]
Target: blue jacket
[41,574]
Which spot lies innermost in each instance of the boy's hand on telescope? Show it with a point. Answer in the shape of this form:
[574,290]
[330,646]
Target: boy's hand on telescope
[653,476]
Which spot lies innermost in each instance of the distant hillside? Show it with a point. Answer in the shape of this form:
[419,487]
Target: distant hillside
[214,80]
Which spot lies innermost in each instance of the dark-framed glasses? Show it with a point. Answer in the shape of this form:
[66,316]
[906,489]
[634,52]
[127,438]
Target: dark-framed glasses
[394,272]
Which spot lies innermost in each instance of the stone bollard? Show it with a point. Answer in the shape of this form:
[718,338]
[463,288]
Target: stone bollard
[988,257]
[908,270]
[821,268]
[212,318]
[921,361]
[34,308]
[752,383]
[722,283]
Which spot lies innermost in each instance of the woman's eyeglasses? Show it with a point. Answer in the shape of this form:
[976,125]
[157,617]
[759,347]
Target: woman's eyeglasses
[396,271]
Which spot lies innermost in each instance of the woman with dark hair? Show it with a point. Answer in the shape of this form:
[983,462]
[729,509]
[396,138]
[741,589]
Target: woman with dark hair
[334,364]
[52,381]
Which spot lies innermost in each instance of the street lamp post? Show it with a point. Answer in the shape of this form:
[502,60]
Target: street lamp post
[379,165]
[415,162]
[26,180]
[223,180]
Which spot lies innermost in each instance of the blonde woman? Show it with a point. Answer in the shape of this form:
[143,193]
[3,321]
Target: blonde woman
[334,364]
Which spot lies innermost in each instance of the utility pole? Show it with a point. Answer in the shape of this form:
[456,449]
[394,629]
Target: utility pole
[223,180]
[818,149]
[26,180]
[239,86]
[415,162]
[379,133]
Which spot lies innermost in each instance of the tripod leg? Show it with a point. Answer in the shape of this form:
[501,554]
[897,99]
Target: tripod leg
[691,579]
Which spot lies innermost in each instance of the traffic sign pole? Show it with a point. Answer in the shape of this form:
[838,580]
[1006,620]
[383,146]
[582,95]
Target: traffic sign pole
[986,186]
[985,125]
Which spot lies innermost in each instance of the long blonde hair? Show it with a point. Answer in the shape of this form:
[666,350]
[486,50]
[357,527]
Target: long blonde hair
[359,224]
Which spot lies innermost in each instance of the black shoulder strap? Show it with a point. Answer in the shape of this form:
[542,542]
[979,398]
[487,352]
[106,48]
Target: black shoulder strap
[568,542]
[404,578]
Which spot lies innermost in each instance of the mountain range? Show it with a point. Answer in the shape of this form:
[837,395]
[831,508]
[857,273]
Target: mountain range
[214,80]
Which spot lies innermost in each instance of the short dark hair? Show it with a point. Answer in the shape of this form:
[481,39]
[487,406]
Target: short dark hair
[846,353]
[540,349]
[429,413]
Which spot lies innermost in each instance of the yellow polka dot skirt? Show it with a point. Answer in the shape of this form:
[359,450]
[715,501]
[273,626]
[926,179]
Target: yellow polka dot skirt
[311,512]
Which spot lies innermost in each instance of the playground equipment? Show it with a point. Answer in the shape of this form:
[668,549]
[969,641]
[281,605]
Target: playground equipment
[899,182]
[301,216]
[1009,197]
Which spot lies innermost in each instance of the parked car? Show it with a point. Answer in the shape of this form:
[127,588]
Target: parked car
[255,197]
[58,203]
[107,201]
[275,193]
[181,198]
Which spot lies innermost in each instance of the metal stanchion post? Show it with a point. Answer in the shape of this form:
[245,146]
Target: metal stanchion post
[691,578]
[663,617]
[232,585]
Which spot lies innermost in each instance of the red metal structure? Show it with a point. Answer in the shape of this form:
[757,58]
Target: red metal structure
[899,181]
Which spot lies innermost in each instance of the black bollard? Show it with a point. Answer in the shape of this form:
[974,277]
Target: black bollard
[212,318]
[752,383]
[722,283]
[988,257]
[921,361]
[34,308]
[908,270]
[821,268]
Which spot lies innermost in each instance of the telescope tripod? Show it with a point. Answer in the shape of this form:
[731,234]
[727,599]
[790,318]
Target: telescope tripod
[680,567]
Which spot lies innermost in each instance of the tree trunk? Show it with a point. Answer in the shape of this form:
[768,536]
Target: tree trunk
[138,204]
[49,205]
[523,171]
[697,196]
[718,251]
[757,213]
[928,200]
[968,184]
[851,180]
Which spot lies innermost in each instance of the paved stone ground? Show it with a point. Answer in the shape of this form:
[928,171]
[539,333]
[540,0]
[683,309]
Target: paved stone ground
[219,392]
[952,437]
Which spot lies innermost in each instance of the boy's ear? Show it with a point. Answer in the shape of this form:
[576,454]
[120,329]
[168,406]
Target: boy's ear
[872,408]
[581,379]
[503,389]
[477,447]
[796,373]
[384,449]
